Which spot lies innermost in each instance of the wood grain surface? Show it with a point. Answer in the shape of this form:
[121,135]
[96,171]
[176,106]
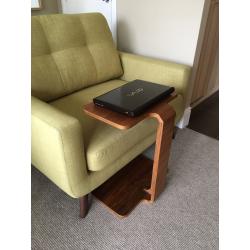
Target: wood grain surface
[141,179]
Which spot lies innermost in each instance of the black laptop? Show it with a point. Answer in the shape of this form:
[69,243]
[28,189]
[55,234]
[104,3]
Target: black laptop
[134,97]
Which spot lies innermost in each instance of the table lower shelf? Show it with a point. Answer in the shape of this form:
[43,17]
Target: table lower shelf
[124,190]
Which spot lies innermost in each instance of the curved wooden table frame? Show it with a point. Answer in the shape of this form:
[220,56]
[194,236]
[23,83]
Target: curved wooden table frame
[140,179]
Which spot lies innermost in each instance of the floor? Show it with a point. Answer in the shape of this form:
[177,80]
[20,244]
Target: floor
[205,117]
[184,217]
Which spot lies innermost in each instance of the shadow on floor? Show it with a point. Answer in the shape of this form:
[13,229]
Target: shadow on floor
[205,117]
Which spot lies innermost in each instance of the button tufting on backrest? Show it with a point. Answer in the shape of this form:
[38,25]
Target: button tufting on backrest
[71,52]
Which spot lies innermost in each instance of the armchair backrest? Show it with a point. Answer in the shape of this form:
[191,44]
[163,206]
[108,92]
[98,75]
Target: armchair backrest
[71,52]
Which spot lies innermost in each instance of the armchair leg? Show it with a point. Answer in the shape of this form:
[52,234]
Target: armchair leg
[84,206]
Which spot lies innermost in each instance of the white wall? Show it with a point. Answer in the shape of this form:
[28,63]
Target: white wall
[48,7]
[108,9]
[165,29]
[80,6]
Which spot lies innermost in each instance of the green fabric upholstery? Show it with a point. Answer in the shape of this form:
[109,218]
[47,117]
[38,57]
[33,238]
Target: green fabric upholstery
[71,52]
[73,60]
[158,71]
[57,146]
[60,144]
[101,140]
[58,151]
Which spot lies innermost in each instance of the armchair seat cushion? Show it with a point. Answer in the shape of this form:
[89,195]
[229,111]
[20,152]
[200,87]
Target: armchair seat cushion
[104,145]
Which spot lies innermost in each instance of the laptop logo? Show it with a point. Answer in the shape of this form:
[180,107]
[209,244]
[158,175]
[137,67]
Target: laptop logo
[136,92]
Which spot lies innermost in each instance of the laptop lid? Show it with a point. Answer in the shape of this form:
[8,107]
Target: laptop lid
[133,97]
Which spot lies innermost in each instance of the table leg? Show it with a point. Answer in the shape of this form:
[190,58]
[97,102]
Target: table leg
[141,179]
[162,150]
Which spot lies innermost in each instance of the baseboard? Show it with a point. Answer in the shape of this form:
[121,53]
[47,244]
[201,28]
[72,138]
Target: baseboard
[183,123]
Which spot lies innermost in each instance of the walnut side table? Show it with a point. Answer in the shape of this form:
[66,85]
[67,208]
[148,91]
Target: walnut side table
[141,179]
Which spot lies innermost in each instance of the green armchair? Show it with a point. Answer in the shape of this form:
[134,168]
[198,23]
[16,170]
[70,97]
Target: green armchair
[73,60]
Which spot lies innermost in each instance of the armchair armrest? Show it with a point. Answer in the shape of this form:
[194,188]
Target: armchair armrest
[159,71]
[57,147]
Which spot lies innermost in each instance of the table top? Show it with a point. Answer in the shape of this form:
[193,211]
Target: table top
[122,121]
